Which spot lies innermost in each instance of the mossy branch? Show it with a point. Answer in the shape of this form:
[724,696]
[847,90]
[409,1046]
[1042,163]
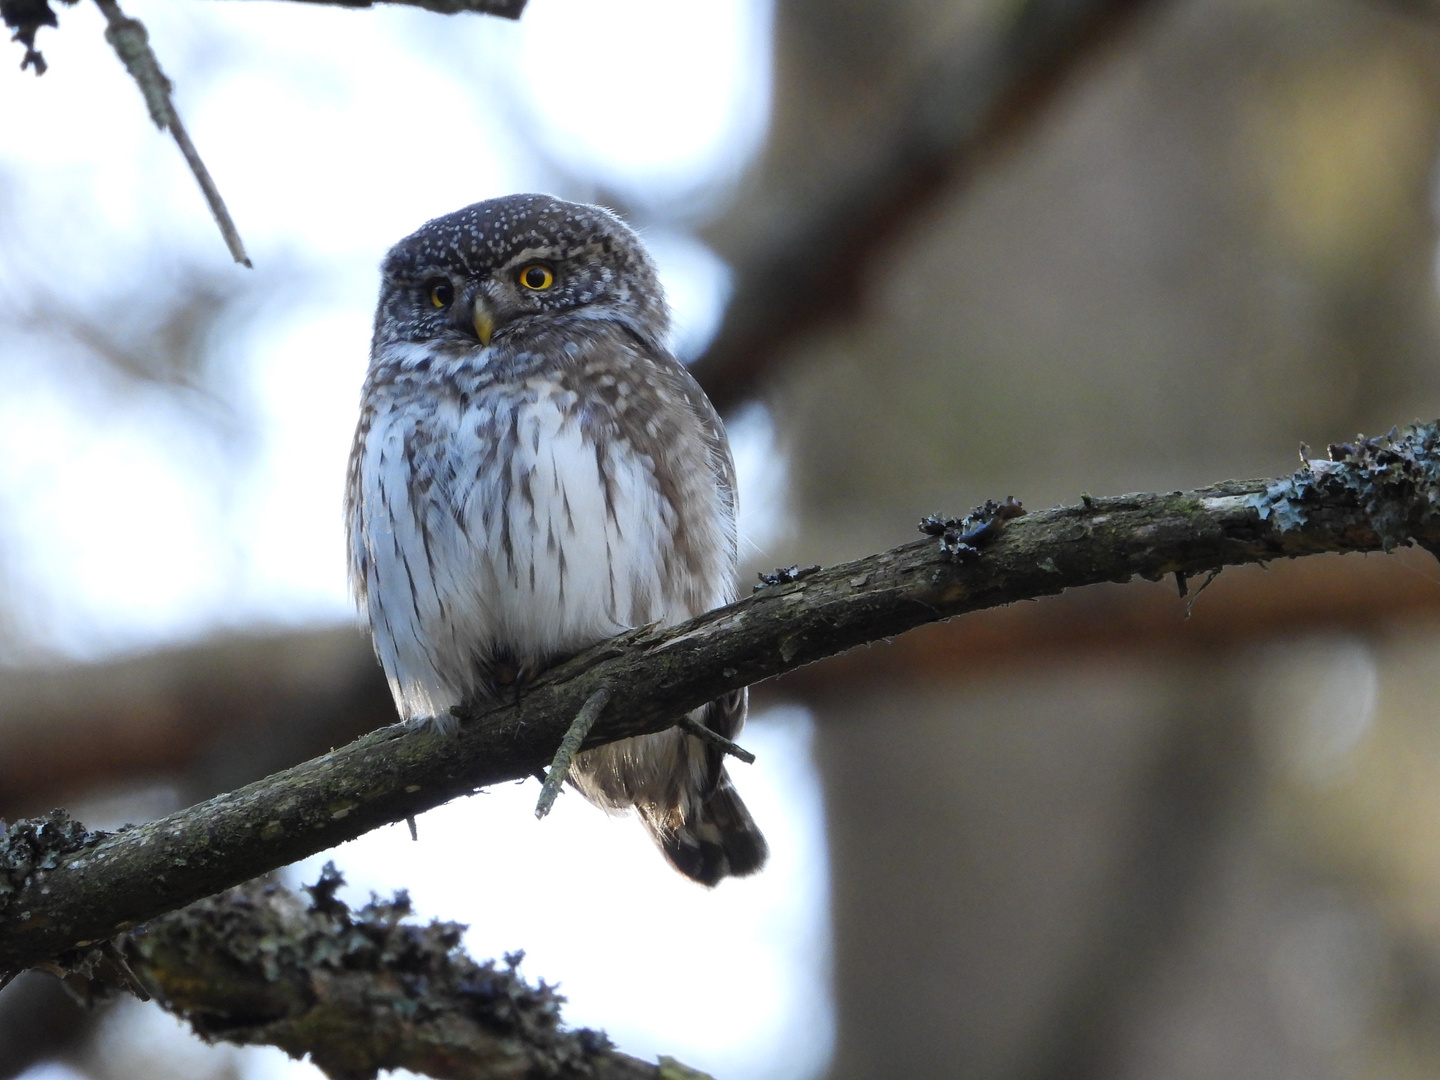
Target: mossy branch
[61,888]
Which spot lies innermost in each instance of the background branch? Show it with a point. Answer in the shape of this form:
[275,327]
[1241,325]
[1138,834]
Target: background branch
[811,250]
[67,889]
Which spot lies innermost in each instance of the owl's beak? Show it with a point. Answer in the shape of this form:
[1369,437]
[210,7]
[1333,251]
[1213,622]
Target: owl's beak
[484,321]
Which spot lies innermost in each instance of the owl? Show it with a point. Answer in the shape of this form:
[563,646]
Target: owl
[534,472]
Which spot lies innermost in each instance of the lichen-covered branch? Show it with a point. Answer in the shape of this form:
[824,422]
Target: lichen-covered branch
[361,991]
[61,888]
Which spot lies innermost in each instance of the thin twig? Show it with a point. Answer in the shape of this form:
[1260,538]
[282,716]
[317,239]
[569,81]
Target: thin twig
[691,726]
[569,747]
[131,43]
[1190,597]
[212,193]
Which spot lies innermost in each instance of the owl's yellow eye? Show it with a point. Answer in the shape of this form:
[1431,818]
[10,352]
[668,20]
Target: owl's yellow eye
[536,277]
[442,294]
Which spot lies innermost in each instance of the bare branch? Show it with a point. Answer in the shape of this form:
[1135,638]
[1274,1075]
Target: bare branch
[63,888]
[131,43]
[361,991]
[284,697]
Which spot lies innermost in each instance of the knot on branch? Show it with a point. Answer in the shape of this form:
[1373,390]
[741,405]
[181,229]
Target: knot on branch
[359,990]
[131,42]
[1393,478]
[961,538]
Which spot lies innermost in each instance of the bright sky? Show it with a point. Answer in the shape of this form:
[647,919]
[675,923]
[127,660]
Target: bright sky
[132,515]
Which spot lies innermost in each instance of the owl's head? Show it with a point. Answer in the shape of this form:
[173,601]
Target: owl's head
[497,268]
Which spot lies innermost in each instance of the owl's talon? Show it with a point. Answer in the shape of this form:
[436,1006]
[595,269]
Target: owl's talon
[691,726]
[569,747]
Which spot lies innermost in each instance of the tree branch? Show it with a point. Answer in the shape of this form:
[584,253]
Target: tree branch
[362,991]
[62,888]
[131,42]
[811,264]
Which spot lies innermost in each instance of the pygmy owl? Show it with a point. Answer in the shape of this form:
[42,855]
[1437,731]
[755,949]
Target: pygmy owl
[534,472]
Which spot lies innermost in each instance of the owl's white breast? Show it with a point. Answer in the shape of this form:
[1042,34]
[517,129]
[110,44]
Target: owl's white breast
[574,542]
[530,539]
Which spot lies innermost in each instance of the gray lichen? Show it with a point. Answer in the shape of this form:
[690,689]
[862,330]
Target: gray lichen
[1394,479]
[359,990]
[32,844]
[962,538]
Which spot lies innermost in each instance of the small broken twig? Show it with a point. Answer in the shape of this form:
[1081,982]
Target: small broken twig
[691,726]
[131,43]
[569,747]
[1190,597]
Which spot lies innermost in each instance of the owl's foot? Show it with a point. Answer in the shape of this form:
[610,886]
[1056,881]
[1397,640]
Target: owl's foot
[505,677]
[691,726]
[569,747]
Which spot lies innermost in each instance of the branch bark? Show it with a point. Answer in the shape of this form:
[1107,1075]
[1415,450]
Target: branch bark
[63,888]
[131,42]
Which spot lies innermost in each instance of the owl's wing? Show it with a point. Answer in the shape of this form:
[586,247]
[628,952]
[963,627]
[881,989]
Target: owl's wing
[717,451]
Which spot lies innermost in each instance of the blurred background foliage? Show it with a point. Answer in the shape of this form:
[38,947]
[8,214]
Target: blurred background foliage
[922,254]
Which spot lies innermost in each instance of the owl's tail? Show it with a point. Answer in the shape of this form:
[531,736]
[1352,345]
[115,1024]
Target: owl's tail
[720,841]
